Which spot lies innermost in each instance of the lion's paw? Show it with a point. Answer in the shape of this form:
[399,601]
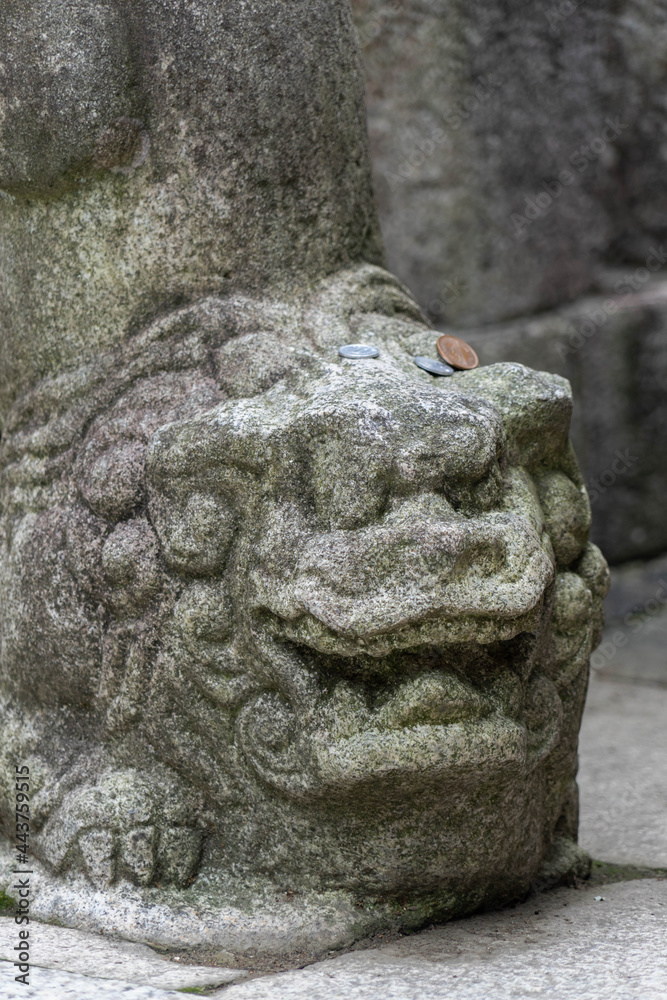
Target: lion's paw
[131,825]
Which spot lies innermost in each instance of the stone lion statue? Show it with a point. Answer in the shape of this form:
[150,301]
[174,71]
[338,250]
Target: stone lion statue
[294,646]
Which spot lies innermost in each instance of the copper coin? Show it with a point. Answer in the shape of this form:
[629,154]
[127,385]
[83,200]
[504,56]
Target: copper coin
[456,352]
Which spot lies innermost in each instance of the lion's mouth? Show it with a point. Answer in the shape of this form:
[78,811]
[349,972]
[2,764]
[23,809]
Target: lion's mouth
[418,716]
[402,649]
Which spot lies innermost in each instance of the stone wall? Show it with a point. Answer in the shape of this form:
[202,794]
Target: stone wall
[479,119]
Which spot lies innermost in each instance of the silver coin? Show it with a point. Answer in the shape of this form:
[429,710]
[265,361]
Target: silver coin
[433,366]
[358,351]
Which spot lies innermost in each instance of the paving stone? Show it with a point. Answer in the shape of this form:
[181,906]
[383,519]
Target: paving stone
[623,763]
[62,948]
[565,943]
[52,984]
[562,944]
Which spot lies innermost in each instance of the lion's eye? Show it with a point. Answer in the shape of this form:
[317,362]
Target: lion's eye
[112,483]
[195,534]
[350,490]
[476,497]
[130,558]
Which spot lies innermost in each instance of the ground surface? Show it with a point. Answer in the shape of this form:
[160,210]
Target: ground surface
[601,941]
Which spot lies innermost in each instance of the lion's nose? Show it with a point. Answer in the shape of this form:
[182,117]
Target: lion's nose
[388,441]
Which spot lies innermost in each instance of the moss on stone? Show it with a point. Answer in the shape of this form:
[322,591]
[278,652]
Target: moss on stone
[604,872]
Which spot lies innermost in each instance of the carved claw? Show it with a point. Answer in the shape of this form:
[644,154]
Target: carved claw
[130,826]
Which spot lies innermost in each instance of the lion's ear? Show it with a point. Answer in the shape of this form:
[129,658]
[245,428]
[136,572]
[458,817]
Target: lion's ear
[195,530]
[202,475]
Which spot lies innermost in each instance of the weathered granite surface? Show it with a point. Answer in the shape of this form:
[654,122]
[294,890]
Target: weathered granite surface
[565,939]
[294,647]
[155,152]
